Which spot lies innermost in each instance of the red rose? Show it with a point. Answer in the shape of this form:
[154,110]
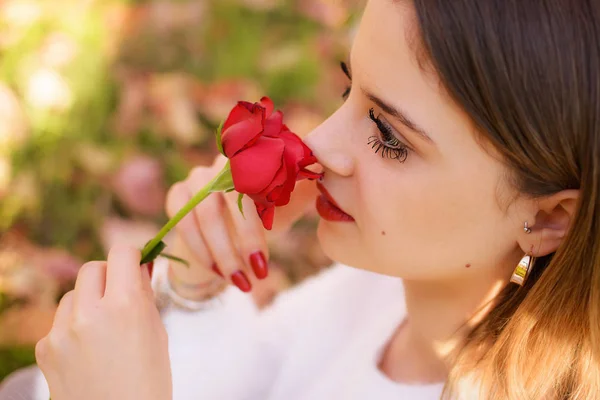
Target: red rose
[266,158]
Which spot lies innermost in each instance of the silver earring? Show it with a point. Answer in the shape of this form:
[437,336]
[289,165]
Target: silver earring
[527,229]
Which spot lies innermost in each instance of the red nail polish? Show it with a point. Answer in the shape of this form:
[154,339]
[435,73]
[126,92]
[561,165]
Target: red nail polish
[217,271]
[241,281]
[150,268]
[259,264]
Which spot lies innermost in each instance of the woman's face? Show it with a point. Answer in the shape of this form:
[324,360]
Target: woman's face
[437,210]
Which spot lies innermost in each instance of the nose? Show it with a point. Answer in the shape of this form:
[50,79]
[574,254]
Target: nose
[330,143]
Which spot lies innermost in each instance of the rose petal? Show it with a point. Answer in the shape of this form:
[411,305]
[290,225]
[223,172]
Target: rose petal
[267,104]
[294,153]
[306,174]
[294,147]
[242,111]
[303,154]
[266,214]
[285,193]
[273,124]
[266,157]
[241,134]
[275,193]
[254,169]
[270,196]
[279,180]
[308,157]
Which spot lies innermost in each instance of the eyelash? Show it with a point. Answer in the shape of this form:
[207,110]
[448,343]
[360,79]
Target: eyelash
[390,146]
[347,73]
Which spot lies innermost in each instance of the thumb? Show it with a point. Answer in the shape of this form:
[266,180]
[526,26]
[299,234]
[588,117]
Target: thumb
[147,276]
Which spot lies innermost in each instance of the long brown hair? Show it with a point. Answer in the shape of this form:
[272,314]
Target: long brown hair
[528,74]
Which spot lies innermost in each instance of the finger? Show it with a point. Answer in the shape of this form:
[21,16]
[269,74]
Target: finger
[123,271]
[250,234]
[146,279]
[303,197]
[61,324]
[195,274]
[64,311]
[189,231]
[218,163]
[90,284]
[210,215]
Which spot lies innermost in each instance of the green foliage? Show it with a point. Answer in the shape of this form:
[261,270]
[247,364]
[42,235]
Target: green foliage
[297,81]
[273,48]
[219,139]
[59,200]
[240,204]
[156,250]
[15,357]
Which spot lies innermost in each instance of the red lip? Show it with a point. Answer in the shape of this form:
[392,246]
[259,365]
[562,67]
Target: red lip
[328,209]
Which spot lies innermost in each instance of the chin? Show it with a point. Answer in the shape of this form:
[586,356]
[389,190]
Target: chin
[339,245]
[332,243]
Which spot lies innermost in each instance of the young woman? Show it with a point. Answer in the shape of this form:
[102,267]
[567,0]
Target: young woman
[465,161]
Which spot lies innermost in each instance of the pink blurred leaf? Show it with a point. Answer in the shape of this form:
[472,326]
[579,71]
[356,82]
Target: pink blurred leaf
[116,230]
[216,100]
[139,185]
[133,102]
[329,13]
[13,123]
[26,325]
[173,107]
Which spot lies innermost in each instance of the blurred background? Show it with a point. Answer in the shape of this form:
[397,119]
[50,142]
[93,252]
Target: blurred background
[104,104]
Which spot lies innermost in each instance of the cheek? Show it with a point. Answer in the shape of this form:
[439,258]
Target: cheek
[420,223]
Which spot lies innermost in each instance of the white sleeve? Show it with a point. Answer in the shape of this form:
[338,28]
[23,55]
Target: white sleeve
[233,351]
[25,384]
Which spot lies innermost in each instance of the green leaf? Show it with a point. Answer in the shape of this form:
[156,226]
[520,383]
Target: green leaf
[240,205]
[174,258]
[219,143]
[224,181]
[155,252]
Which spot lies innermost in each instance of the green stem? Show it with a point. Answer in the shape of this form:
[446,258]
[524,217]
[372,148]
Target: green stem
[222,182]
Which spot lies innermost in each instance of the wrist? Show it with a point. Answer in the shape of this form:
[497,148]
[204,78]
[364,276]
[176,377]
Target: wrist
[197,291]
[166,296]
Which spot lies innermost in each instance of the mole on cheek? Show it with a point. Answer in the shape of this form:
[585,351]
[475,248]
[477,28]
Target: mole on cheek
[468,265]
[383,233]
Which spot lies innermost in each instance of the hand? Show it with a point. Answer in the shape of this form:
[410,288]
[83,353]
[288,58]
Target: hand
[107,340]
[216,239]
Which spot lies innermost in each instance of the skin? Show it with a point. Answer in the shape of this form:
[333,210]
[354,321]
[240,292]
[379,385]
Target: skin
[107,340]
[444,220]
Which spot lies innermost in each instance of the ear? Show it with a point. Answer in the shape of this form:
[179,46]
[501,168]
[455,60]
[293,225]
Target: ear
[552,222]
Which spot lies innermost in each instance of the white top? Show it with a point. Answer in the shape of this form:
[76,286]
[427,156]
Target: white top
[321,340]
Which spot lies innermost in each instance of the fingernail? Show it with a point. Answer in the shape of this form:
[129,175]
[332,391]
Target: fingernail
[259,264]
[241,281]
[217,271]
[150,266]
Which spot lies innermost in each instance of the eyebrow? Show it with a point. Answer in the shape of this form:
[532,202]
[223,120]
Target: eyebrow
[399,115]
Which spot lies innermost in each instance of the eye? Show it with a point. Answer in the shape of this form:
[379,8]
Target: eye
[390,146]
[347,73]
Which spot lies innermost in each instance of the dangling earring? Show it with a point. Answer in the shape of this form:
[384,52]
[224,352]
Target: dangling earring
[522,270]
[520,273]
